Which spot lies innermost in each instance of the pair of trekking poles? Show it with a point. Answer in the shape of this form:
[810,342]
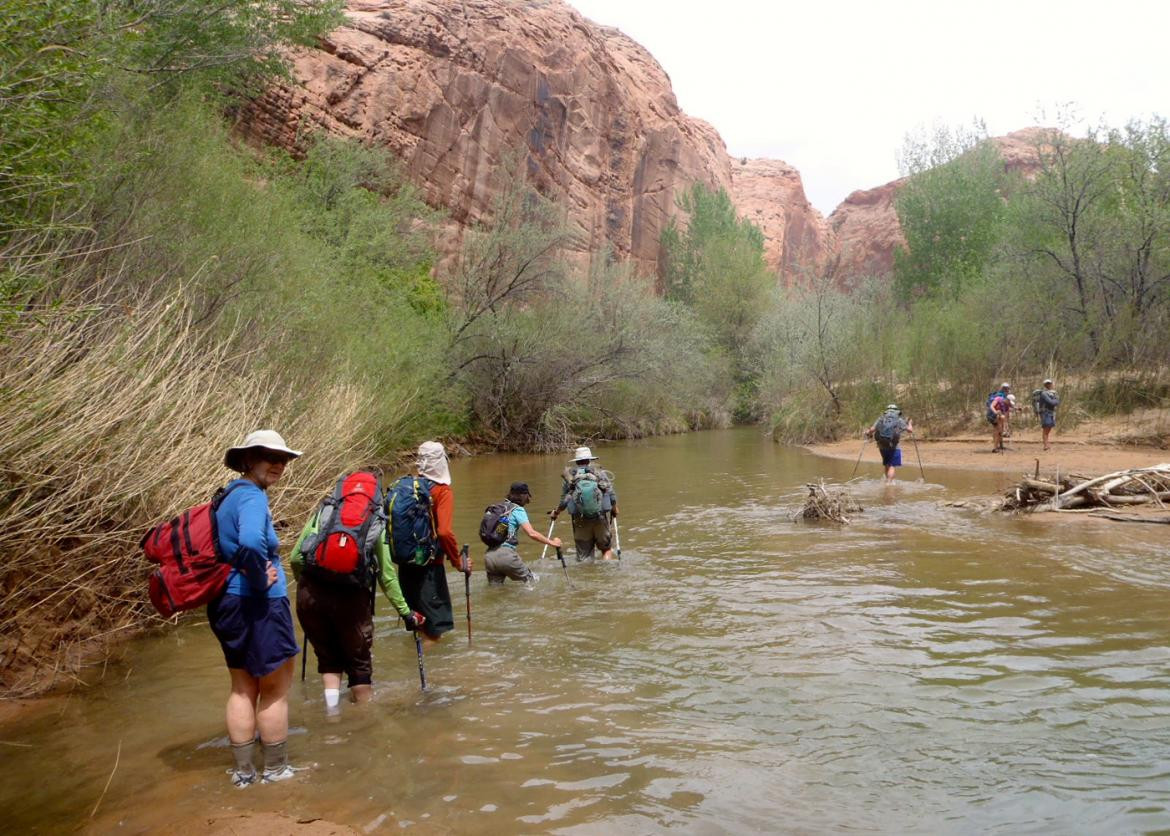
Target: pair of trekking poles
[617,542]
[862,451]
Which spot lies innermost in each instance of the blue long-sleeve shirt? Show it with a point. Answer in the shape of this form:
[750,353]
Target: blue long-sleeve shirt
[248,541]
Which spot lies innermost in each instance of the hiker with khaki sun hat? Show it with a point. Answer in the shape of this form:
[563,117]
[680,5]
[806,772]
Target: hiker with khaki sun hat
[588,494]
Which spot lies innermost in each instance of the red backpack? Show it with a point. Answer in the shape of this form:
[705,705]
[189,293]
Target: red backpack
[191,568]
[349,523]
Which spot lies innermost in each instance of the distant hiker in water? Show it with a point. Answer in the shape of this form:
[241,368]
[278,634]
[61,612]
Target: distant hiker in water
[588,494]
[420,509]
[341,554]
[252,618]
[887,432]
[998,410]
[1044,402]
[500,530]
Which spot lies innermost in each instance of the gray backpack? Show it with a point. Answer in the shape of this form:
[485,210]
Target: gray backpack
[888,430]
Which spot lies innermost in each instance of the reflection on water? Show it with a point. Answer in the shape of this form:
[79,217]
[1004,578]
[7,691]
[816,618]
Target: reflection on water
[922,670]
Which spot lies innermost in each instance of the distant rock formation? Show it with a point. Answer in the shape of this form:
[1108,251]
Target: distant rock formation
[865,227]
[456,90]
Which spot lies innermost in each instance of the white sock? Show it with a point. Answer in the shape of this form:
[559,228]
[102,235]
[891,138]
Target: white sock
[332,697]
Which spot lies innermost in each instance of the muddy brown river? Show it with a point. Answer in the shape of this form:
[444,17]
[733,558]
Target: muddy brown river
[922,670]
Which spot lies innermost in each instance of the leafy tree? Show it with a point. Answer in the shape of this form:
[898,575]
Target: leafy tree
[59,62]
[1095,224]
[716,266]
[951,211]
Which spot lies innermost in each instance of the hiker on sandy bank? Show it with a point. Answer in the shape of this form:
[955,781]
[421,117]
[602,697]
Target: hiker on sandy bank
[887,432]
[341,553]
[588,494]
[998,409]
[1045,402]
[503,561]
[421,508]
[252,618]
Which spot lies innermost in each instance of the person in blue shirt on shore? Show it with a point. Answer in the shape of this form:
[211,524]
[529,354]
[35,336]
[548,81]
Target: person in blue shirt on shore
[504,561]
[253,618]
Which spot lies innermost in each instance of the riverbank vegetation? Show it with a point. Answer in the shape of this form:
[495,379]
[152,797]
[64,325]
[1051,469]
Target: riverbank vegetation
[1058,267]
[164,289]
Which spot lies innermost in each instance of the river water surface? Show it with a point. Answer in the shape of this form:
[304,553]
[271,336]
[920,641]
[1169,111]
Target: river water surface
[922,670]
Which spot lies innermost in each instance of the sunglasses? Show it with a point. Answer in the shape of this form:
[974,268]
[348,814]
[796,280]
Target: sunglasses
[274,457]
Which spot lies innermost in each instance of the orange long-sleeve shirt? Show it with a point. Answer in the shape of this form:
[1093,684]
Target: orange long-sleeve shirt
[443,503]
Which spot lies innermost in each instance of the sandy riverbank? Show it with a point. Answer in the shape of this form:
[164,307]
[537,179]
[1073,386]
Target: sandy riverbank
[1069,454]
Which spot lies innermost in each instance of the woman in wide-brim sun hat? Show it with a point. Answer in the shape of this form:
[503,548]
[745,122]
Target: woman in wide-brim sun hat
[253,618]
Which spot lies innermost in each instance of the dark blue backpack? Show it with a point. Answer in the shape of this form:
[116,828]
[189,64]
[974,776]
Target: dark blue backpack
[411,523]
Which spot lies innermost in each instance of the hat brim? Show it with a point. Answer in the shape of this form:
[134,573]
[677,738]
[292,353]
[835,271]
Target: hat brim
[233,458]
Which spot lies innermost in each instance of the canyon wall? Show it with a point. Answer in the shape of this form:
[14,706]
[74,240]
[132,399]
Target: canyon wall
[459,90]
[465,93]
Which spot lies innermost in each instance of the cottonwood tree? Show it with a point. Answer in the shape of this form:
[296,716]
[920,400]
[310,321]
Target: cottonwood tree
[1096,223]
[715,265]
[951,210]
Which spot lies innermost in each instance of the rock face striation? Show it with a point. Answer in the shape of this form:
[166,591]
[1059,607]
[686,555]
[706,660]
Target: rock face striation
[468,92]
[460,90]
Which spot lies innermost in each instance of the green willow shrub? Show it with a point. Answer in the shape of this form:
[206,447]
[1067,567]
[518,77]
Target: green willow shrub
[715,266]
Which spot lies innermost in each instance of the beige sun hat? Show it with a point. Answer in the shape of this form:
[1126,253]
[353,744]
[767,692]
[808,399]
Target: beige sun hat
[432,462]
[582,453]
[262,439]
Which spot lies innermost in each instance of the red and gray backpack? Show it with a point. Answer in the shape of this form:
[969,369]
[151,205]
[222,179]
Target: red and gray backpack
[191,568]
[349,523]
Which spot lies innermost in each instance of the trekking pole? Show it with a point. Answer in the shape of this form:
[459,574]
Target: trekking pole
[919,455]
[422,674]
[617,539]
[304,657]
[551,525]
[561,558]
[467,590]
[859,452]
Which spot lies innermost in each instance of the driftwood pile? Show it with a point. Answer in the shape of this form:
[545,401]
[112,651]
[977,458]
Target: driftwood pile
[827,504]
[1121,489]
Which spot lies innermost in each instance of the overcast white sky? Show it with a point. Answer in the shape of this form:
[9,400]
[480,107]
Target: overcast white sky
[833,87]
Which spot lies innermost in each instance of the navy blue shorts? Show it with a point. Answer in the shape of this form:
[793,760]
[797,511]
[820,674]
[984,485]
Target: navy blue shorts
[891,457]
[1048,419]
[256,634]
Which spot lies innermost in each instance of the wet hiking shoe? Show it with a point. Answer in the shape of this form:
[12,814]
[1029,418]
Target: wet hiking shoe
[282,773]
[242,779]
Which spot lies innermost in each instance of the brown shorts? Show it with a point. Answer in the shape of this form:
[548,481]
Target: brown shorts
[339,623]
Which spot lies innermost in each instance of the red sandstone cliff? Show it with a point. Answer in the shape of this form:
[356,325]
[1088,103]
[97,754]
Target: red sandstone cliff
[455,88]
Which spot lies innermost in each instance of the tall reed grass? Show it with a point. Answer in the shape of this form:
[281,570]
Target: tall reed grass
[114,416]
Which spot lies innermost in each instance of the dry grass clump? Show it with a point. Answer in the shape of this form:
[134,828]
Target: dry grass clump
[828,504]
[113,417]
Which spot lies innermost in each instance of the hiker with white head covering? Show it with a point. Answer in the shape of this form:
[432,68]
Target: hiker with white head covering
[887,432]
[588,494]
[420,509]
[253,618]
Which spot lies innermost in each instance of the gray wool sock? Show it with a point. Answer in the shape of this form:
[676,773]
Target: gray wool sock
[242,752]
[275,755]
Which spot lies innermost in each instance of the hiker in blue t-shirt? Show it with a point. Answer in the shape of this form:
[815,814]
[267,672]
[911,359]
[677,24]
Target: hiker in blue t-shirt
[887,432]
[504,560]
